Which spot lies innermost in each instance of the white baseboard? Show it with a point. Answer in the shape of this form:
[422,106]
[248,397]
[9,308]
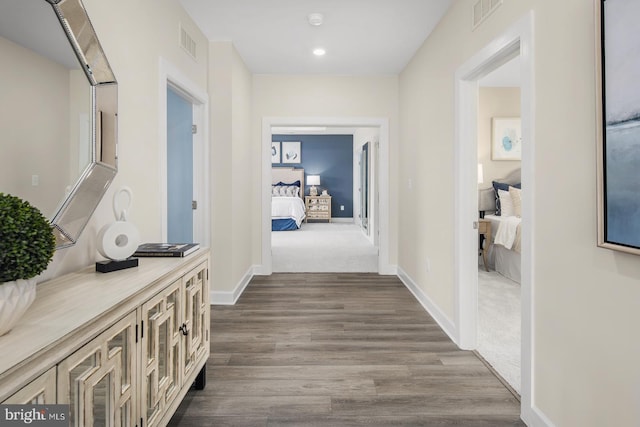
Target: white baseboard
[342,220]
[230,297]
[438,315]
[388,270]
[534,417]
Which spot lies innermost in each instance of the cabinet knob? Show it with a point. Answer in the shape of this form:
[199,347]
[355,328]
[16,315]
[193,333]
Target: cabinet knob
[183,328]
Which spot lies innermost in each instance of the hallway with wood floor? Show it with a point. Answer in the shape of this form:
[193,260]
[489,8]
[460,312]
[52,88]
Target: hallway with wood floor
[339,349]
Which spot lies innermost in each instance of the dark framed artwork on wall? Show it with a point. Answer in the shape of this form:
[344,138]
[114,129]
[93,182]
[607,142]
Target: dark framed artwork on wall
[618,125]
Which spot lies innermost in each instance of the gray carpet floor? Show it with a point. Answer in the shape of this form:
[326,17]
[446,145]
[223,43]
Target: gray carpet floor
[323,247]
[499,321]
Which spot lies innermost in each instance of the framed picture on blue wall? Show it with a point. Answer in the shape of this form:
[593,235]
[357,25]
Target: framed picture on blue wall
[275,152]
[618,125]
[291,152]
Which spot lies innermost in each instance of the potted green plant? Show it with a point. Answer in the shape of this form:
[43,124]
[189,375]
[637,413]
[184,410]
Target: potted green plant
[27,245]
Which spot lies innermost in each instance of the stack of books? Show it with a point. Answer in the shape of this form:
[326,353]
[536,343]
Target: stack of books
[166,249]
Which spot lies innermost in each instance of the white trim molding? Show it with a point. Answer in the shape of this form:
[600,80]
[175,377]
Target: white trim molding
[171,76]
[343,220]
[515,40]
[430,307]
[231,297]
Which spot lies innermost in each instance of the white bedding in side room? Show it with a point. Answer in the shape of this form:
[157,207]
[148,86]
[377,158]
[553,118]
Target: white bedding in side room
[507,231]
[288,207]
[505,261]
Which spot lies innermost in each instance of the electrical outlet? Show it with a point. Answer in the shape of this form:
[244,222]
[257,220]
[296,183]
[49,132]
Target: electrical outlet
[35,180]
[428,265]
[341,207]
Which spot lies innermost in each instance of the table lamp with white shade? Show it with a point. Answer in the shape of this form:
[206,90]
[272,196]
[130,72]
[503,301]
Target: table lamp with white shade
[313,180]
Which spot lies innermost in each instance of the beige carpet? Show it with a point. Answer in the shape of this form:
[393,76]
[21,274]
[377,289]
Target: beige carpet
[323,247]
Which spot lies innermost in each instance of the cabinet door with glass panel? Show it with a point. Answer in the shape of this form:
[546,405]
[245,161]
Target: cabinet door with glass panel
[196,318]
[98,381]
[161,352]
[41,391]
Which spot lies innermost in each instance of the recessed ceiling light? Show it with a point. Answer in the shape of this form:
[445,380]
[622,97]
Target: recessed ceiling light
[315,19]
[319,51]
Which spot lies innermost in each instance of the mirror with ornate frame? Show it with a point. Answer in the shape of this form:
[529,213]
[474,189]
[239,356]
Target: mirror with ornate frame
[58,129]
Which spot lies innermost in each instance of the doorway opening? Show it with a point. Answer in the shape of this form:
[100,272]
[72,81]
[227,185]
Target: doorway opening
[380,207]
[183,171]
[499,267]
[331,237]
[515,41]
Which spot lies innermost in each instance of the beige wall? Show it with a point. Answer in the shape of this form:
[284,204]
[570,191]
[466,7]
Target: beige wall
[584,298]
[243,176]
[495,102]
[220,96]
[134,35]
[34,100]
[231,175]
[325,96]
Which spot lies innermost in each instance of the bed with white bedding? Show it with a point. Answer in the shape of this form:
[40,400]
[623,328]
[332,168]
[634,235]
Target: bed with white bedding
[501,206]
[287,193]
[504,253]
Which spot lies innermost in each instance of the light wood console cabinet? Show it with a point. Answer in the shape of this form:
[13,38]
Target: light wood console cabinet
[122,348]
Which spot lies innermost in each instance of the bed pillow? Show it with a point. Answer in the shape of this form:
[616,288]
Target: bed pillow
[285,191]
[504,187]
[295,183]
[506,203]
[291,191]
[516,198]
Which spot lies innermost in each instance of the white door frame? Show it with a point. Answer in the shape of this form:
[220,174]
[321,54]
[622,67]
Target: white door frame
[516,39]
[171,76]
[384,266]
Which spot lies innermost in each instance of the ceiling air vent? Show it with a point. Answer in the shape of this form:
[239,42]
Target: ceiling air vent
[187,42]
[482,9]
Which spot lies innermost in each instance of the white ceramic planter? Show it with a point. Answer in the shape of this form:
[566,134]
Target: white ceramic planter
[15,299]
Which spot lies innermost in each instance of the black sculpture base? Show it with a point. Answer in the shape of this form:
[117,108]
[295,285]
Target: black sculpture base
[111,265]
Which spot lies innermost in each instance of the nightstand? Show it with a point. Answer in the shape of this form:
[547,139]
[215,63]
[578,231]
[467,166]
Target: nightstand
[318,207]
[484,231]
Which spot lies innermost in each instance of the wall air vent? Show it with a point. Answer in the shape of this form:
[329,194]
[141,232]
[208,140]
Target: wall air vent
[482,9]
[188,43]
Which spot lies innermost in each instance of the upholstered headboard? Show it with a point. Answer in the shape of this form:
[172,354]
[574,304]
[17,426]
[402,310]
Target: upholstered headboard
[288,175]
[487,196]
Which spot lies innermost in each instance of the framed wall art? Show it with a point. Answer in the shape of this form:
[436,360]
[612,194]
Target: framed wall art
[291,152]
[618,125]
[506,138]
[275,152]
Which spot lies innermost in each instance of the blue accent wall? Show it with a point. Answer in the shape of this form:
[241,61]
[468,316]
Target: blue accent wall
[331,157]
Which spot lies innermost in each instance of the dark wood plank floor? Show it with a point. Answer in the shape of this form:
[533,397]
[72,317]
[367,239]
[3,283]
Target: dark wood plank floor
[339,350]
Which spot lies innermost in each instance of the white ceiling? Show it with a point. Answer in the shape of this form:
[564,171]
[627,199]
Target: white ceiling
[360,36]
